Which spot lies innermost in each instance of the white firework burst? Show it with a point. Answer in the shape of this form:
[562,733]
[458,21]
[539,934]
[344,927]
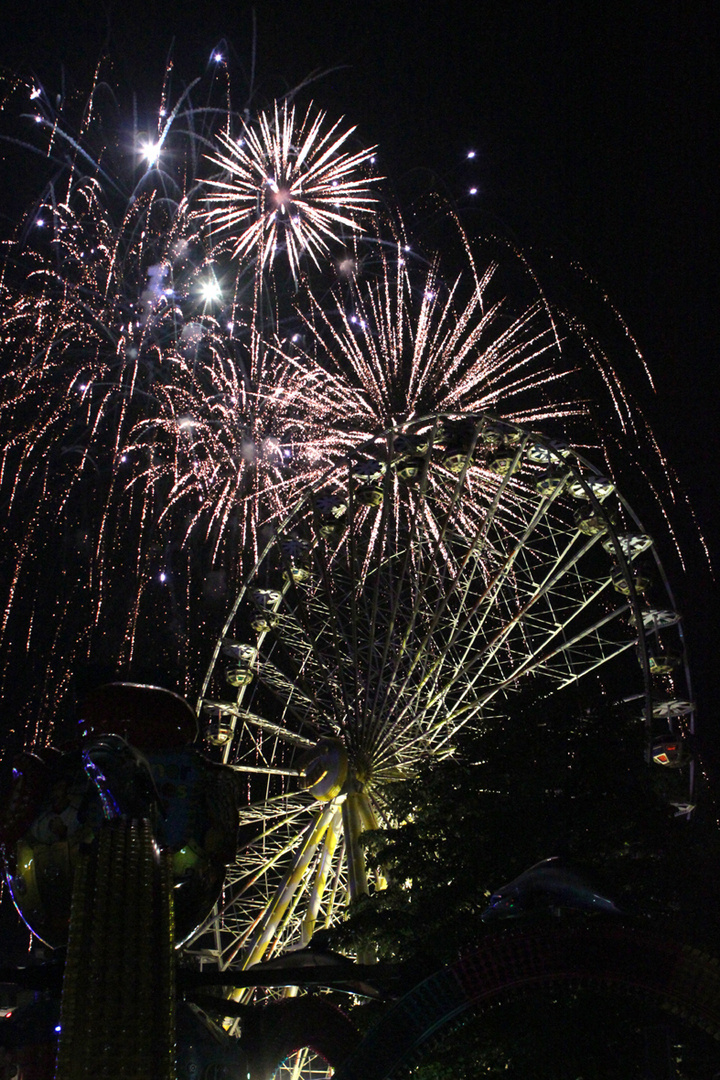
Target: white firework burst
[290,184]
[407,342]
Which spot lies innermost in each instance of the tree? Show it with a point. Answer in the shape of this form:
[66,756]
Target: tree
[574,785]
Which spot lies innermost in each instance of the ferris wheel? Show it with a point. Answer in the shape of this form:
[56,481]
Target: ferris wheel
[448,565]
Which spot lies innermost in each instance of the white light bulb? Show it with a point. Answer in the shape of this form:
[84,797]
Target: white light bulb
[150,151]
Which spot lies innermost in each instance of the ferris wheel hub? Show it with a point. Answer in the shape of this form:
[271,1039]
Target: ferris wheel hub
[324,770]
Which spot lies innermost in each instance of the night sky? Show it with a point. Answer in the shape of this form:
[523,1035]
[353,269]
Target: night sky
[596,144]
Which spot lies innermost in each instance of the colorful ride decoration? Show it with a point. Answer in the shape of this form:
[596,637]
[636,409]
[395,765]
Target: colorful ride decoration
[134,761]
[106,845]
[117,1017]
[607,956]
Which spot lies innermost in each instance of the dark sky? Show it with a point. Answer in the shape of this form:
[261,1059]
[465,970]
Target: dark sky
[595,126]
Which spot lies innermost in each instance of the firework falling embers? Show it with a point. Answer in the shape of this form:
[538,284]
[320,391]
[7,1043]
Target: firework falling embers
[106,291]
[140,426]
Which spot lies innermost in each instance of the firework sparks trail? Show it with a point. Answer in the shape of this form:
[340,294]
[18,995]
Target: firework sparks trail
[161,405]
[135,406]
[405,349]
[402,345]
[290,184]
[235,452]
[412,339]
[104,293]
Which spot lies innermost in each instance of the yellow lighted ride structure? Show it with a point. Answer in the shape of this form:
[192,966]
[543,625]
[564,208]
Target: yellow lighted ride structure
[449,564]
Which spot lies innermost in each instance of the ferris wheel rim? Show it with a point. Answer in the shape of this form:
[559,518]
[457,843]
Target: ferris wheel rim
[293,595]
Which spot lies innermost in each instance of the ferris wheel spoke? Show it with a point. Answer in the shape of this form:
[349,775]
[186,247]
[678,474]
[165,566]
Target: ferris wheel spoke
[508,569]
[281,937]
[352,828]
[323,874]
[391,598]
[479,610]
[268,806]
[265,770]
[372,580]
[572,673]
[575,676]
[248,880]
[244,716]
[523,620]
[322,633]
[410,660]
[298,705]
[274,729]
[538,661]
[485,655]
[331,635]
[293,879]
[298,631]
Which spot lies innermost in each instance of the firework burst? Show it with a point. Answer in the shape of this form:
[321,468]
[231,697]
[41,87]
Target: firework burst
[401,338]
[289,184]
[160,405]
[93,331]
[107,292]
[234,453]
[141,424]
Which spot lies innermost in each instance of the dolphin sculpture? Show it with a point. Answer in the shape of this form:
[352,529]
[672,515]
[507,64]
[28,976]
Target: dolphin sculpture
[546,885]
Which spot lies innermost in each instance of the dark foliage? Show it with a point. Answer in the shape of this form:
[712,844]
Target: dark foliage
[573,785]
